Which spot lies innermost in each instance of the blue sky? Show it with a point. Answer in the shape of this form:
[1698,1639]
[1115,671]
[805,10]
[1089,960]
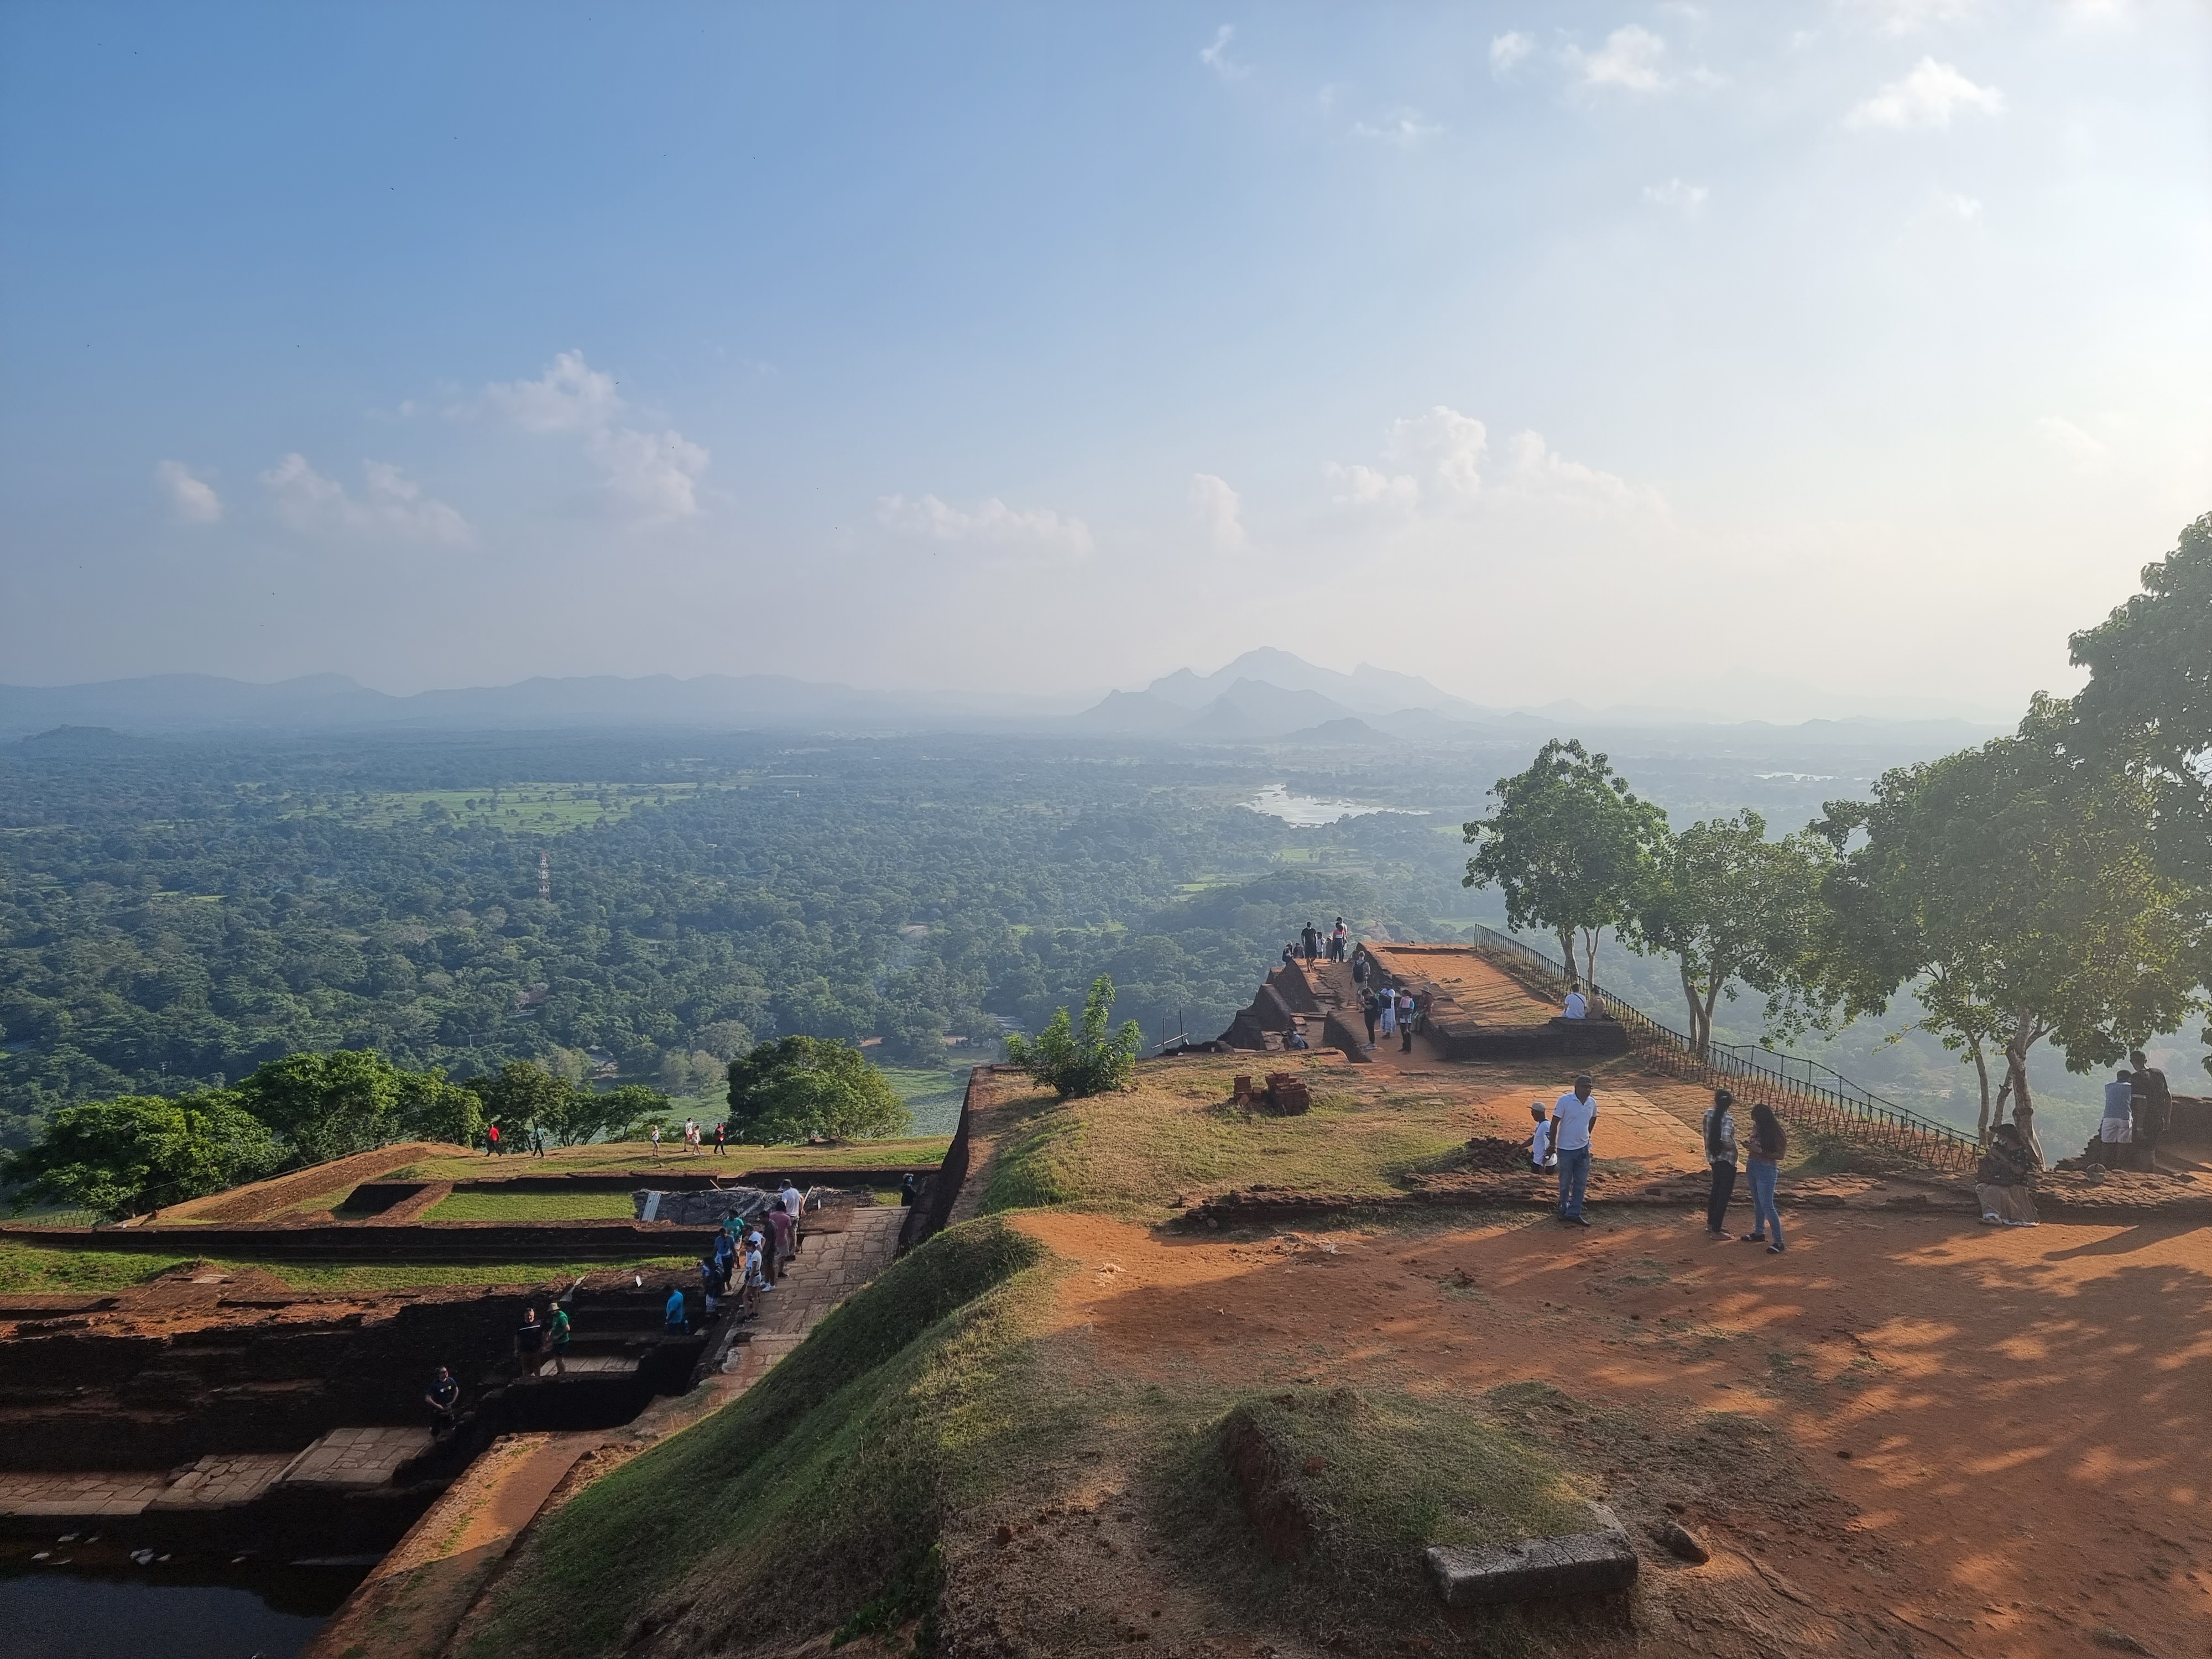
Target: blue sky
[1809,354]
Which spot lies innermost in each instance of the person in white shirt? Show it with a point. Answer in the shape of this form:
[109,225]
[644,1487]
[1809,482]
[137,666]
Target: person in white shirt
[1577,1005]
[1541,1155]
[795,1207]
[1574,1114]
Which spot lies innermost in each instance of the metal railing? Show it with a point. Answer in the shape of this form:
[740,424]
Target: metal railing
[1817,1097]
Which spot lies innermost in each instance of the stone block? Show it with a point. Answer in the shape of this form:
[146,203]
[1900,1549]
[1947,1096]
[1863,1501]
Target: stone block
[700,1207]
[1583,1564]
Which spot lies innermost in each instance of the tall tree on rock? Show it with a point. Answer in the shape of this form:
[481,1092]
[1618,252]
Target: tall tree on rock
[1569,844]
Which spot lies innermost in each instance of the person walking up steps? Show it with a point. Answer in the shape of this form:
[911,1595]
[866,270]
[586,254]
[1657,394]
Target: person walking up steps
[1574,1114]
[1769,1141]
[1720,1153]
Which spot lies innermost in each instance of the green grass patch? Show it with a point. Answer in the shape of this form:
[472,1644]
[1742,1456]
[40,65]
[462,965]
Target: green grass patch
[531,1206]
[1174,1135]
[626,1157]
[1353,1487]
[26,1269]
[816,1496]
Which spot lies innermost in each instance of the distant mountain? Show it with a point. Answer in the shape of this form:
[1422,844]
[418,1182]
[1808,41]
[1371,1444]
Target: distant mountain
[1365,690]
[1348,731]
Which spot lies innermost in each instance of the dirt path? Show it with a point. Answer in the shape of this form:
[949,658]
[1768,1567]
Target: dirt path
[1989,1444]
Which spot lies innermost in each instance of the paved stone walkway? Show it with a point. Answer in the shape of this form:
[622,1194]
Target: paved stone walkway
[355,1457]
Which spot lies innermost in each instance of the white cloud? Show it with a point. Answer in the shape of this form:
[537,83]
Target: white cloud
[1217,58]
[1362,486]
[2085,452]
[192,499]
[1537,468]
[1403,127]
[1632,57]
[394,505]
[1925,98]
[1966,206]
[1220,509]
[1507,50]
[570,395]
[1449,444]
[992,523]
[652,472]
[1676,194]
[1911,16]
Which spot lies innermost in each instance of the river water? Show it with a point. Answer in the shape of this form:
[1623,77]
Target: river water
[165,1612]
[1310,811]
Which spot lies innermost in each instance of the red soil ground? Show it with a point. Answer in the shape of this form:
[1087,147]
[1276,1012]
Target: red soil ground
[1986,1442]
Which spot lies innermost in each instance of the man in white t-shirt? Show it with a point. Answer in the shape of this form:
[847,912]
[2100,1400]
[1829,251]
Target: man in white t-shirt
[1573,1116]
[794,1206]
[1577,1005]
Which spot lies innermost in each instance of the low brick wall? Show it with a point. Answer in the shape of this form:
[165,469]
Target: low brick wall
[374,1240]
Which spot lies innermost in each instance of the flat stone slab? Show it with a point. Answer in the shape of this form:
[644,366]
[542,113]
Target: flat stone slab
[1578,1564]
[216,1483]
[94,1492]
[355,1457]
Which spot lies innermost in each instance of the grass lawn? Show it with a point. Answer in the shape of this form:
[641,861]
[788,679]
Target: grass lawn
[1174,1135]
[28,1269]
[531,1206]
[623,1155]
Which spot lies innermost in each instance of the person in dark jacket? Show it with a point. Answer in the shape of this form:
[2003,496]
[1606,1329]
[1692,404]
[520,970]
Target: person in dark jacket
[2150,1105]
[1720,1156]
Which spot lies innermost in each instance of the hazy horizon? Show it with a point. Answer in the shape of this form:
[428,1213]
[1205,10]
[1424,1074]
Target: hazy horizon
[1624,355]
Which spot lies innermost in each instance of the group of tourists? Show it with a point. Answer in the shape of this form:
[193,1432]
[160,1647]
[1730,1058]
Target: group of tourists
[2138,1105]
[1388,1010]
[1313,945]
[696,1135]
[530,1136]
[752,1256]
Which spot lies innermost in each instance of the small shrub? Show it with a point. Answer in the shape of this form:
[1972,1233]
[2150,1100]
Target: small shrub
[1077,1063]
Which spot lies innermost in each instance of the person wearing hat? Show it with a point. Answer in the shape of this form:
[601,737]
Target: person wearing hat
[1720,1153]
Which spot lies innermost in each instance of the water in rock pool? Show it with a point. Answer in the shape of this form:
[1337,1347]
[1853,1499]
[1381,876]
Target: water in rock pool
[208,1610]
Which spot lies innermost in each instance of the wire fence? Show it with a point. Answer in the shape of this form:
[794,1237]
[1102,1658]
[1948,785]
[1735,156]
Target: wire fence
[1814,1096]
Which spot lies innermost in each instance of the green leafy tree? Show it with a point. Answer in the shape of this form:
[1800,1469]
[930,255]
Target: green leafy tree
[802,1086]
[1731,906]
[630,1109]
[324,1106]
[522,1095]
[1075,1062]
[426,1107]
[121,1158]
[2016,887]
[1569,844]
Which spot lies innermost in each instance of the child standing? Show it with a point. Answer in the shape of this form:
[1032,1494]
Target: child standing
[1541,1155]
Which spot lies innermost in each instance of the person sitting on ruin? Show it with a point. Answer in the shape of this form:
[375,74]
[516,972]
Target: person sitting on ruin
[2117,1124]
[1297,1039]
[2003,1179]
[444,1399]
[1577,1005]
[1290,953]
[529,1342]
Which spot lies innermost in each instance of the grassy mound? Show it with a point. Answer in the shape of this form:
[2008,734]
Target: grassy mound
[814,1497]
[1315,1508]
[1175,1133]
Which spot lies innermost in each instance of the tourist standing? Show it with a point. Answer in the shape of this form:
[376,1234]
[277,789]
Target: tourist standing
[561,1334]
[1361,965]
[1406,1012]
[444,1399]
[1541,1155]
[656,1138]
[2113,1132]
[1574,1114]
[2151,1106]
[1389,999]
[673,1317]
[1720,1155]
[1369,1008]
[491,1141]
[1310,939]
[1337,940]
[529,1342]
[795,1206]
[1769,1141]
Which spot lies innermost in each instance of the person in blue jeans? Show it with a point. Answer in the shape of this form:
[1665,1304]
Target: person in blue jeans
[1573,1116]
[1769,1141]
